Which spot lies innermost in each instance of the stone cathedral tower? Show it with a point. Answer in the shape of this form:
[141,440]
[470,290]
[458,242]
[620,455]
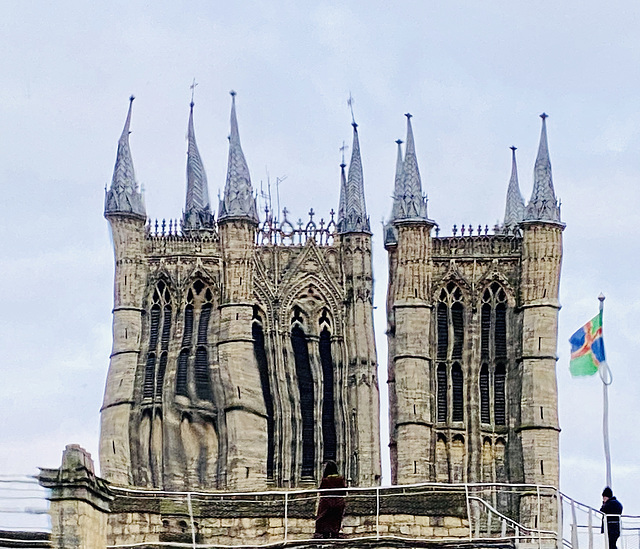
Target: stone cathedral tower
[243,350]
[472,333]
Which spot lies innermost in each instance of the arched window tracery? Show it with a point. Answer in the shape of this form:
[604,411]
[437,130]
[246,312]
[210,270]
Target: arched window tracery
[160,315]
[197,316]
[450,355]
[329,437]
[493,350]
[304,377]
[260,353]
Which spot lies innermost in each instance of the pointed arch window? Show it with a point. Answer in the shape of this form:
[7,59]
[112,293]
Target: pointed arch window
[493,345]
[305,388]
[329,438]
[260,353]
[450,330]
[159,335]
[193,359]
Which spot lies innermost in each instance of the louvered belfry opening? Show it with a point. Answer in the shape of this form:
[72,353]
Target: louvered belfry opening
[450,355]
[195,356]
[329,438]
[260,353]
[305,387]
[493,355]
[159,323]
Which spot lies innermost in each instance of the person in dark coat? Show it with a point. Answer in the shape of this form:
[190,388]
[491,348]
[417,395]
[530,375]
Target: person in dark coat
[611,506]
[331,505]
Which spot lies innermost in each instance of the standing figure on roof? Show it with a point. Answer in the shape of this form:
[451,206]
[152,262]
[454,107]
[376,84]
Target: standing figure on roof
[613,508]
[331,506]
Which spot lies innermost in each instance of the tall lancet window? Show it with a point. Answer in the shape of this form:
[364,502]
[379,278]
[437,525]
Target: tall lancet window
[260,353]
[328,401]
[493,354]
[305,387]
[193,360]
[159,334]
[449,355]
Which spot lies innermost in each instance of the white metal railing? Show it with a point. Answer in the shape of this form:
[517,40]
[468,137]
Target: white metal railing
[496,512]
[583,527]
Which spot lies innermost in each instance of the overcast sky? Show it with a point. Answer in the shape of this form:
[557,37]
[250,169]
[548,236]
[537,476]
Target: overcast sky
[475,75]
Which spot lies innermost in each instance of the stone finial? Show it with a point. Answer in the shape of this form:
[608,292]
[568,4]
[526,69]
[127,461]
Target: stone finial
[514,209]
[197,212]
[238,199]
[124,196]
[352,203]
[543,205]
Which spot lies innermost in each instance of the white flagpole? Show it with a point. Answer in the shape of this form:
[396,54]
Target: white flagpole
[606,377]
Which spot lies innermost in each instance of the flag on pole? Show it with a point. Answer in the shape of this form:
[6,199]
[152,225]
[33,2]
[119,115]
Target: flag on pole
[587,348]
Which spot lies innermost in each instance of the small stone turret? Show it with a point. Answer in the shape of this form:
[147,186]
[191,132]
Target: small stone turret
[541,262]
[409,317]
[362,377]
[245,413]
[125,212]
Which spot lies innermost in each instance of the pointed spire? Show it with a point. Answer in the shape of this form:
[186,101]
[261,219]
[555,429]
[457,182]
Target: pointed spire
[124,196]
[354,218]
[197,211]
[342,208]
[238,199]
[543,205]
[514,209]
[398,189]
[409,202]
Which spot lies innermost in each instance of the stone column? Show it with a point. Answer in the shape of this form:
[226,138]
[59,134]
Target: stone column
[79,502]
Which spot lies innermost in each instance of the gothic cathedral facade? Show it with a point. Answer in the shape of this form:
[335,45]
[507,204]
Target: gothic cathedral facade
[244,354]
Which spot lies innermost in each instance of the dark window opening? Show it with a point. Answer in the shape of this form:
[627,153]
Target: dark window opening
[501,331]
[485,415]
[149,374]
[201,369]
[328,413]
[443,332]
[153,329]
[188,326]
[305,387]
[263,368]
[181,374]
[499,402]
[457,409]
[485,330]
[442,393]
[162,368]
[458,330]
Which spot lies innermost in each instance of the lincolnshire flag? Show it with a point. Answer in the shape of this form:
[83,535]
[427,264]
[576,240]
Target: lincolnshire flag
[587,348]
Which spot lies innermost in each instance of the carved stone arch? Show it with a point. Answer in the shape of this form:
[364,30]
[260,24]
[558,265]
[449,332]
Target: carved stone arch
[453,275]
[160,275]
[312,256]
[492,276]
[266,302]
[327,296]
[200,272]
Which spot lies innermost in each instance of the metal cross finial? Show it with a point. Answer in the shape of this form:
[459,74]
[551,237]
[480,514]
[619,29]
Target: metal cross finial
[408,115]
[514,149]
[350,102]
[399,141]
[342,149]
[193,89]
[311,214]
[131,98]
[544,115]
[232,93]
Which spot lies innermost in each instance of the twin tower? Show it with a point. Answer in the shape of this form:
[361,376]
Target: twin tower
[244,353]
